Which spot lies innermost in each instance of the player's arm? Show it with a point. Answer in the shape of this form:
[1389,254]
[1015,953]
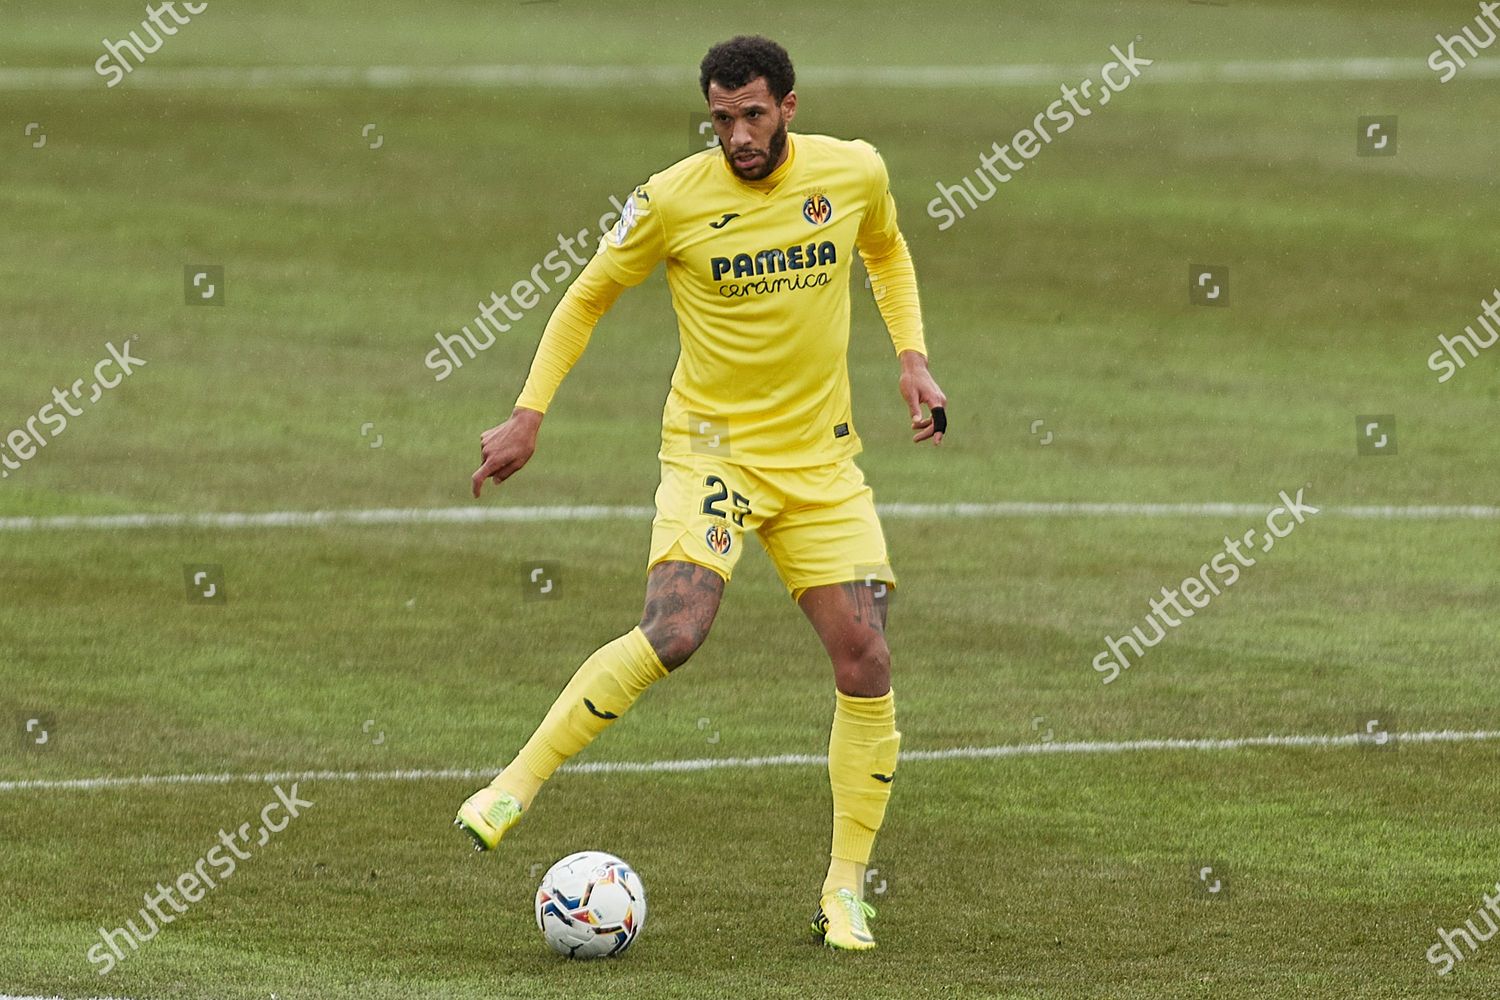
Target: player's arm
[508,447]
[894,280]
[626,256]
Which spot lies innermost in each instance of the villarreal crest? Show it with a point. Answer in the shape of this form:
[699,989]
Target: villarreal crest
[718,539]
[817,209]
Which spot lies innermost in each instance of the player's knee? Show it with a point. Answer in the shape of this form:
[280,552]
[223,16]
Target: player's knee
[865,669]
[674,641]
[871,653]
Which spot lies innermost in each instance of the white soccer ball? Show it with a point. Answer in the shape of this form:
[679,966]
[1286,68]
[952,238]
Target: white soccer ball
[590,905]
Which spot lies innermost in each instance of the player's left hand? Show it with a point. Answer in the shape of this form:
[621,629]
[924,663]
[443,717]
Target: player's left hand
[919,389]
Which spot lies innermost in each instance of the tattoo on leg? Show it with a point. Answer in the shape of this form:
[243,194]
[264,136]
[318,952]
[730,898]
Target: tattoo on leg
[870,606]
[682,599]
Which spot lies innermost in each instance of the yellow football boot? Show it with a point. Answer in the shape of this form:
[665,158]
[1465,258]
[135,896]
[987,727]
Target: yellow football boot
[842,921]
[486,815]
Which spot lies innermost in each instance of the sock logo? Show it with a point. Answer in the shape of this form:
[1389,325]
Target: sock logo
[887,778]
[603,715]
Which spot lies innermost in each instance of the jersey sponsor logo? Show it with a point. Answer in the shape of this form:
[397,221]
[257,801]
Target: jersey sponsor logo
[840,430]
[767,286]
[817,209]
[773,261]
[718,538]
[724,221]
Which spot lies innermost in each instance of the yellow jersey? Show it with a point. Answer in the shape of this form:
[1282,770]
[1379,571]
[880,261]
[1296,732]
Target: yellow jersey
[759,275]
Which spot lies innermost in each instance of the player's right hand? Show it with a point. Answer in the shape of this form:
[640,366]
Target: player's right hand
[505,449]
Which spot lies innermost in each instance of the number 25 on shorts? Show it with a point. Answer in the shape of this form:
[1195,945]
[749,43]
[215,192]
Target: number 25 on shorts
[719,492]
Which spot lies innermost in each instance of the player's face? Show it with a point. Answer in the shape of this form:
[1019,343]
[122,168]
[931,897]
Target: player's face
[751,126]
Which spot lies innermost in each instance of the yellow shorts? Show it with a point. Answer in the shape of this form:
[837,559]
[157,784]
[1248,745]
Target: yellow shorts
[818,524]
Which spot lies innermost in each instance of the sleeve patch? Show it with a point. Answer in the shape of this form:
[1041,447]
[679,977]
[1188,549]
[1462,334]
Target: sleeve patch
[628,219]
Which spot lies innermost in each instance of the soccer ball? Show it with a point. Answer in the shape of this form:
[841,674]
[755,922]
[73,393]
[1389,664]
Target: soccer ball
[590,905]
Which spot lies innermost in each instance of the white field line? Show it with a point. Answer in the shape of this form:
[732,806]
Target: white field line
[898,511]
[575,77]
[752,763]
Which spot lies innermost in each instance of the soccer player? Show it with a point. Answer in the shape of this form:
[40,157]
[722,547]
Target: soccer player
[757,435]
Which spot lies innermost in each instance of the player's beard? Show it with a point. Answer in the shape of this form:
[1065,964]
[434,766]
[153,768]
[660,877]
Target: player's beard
[772,153]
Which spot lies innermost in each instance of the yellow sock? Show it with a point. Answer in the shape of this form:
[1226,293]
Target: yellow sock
[864,743]
[605,686]
[844,874]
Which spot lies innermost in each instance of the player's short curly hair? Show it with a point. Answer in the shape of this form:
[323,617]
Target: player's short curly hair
[734,63]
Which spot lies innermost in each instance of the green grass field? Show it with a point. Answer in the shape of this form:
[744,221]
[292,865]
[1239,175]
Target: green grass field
[1046,875]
